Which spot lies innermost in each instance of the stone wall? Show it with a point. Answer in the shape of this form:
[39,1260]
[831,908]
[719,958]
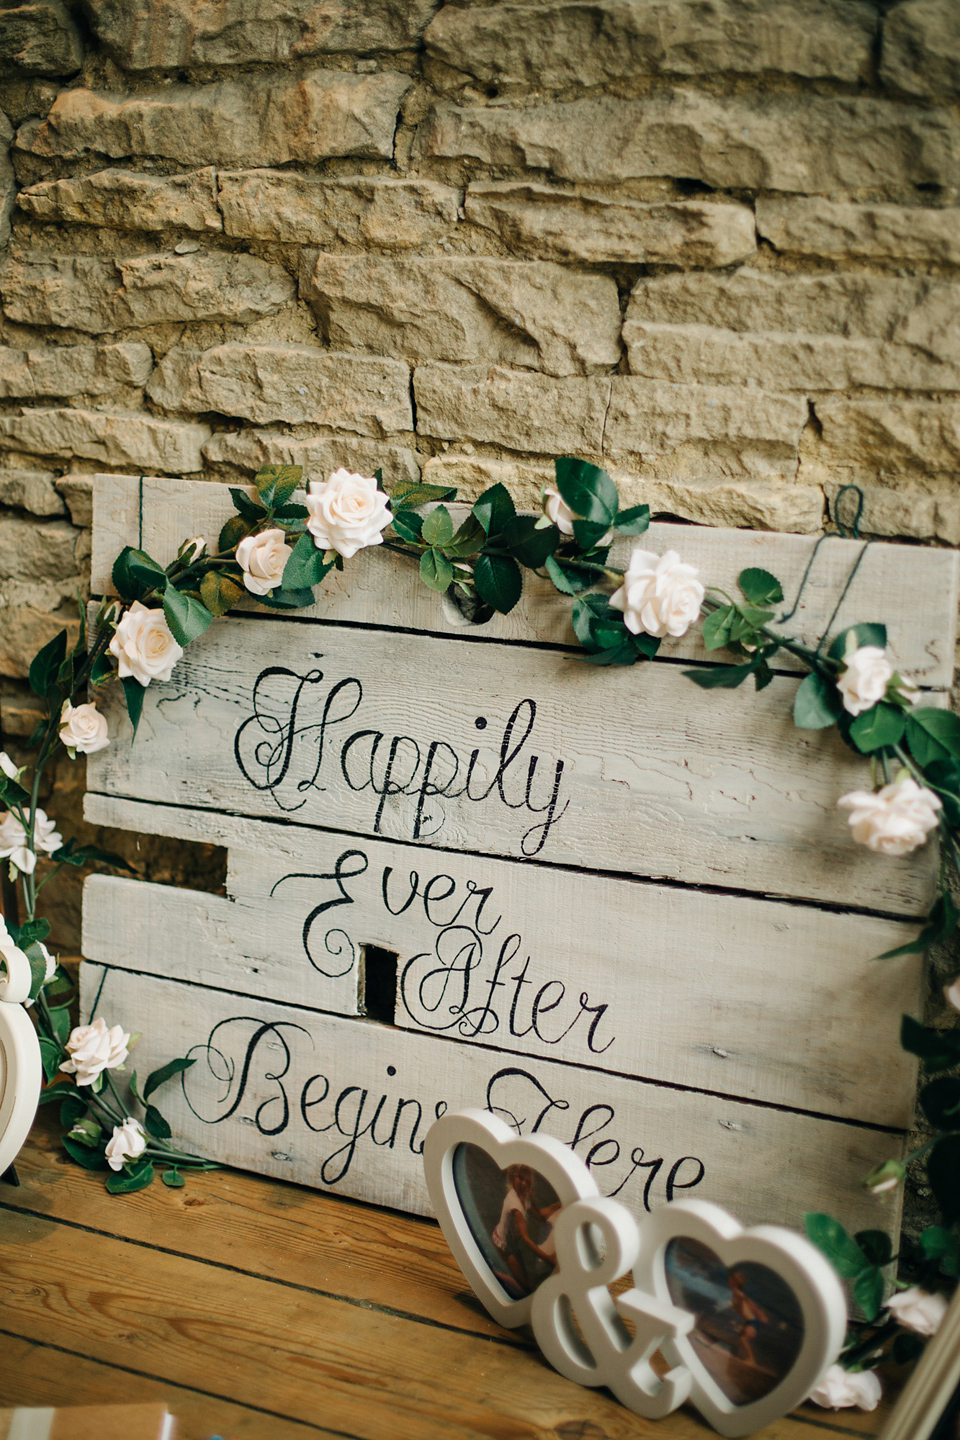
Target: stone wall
[714,244]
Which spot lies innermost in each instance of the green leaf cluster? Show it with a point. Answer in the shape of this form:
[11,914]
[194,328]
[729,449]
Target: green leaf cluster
[860,1259]
[740,626]
[939,1050]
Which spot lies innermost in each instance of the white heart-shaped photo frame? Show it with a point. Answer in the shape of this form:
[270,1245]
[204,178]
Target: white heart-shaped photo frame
[476,1201]
[770,1312]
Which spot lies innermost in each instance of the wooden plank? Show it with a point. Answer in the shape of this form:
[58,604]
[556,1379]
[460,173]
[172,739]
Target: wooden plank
[914,590]
[267,1229]
[644,980]
[42,1372]
[349,1101]
[731,795]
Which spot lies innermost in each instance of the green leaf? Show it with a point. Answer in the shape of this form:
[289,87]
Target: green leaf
[468,540]
[943,1172]
[588,490]
[101,670]
[499,581]
[172,1178]
[128,1180]
[944,775]
[817,703]
[232,533]
[721,677]
[287,599]
[219,592]
[494,509]
[72,1110]
[437,527]
[79,855]
[186,617]
[760,587]
[287,514]
[276,483]
[939,1243]
[841,1249]
[528,544]
[165,1073]
[938,1049]
[155,1124]
[876,1245]
[716,627]
[29,931]
[566,579]
[89,1159]
[50,1056]
[868,1291]
[436,570]
[869,634]
[249,508]
[587,533]
[408,524]
[941,922]
[45,665]
[633,521]
[409,494]
[933,735]
[60,1022]
[628,652]
[60,1091]
[305,566]
[878,729]
[87,1132]
[940,1102]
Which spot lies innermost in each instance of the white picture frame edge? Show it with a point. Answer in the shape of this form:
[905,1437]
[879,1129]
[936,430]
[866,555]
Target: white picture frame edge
[20,1082]
[556,1162]
[808,1274]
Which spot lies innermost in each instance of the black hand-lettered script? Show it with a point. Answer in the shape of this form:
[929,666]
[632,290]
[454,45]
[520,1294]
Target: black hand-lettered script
[297,740]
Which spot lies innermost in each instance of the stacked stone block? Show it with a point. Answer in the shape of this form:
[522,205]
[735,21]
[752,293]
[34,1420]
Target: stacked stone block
[712,244]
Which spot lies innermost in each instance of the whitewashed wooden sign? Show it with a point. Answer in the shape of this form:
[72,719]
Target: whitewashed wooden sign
[465,870]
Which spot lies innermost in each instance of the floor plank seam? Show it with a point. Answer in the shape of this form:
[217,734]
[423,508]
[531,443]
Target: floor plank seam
[178,1384]
[369,1305]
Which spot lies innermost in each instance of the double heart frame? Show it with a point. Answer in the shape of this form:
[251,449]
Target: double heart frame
[748,1319]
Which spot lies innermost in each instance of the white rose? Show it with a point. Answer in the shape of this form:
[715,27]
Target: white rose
[11,771]
[952,993]
[263,559]
[13,840]
[347,513]
[918,1310]
[895,820]
[866,677]
[15,983]
[558,512]
[127,1143]
[143,645]
[93,1048]
[192,550]
[83,729]
[838,1388]
[660,595]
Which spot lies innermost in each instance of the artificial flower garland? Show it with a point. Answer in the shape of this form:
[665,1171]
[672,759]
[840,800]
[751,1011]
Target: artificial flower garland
[277,551]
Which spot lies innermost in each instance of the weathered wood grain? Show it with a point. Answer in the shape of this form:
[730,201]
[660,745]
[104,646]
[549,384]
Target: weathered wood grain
[914,591]
[640,772]
[343,1104]
[755,998]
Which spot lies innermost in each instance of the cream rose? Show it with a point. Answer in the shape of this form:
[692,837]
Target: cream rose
[94,1048]
[838,1388]
[11,771]
[83,729]
[16,980]
[918,1310]
[263,559]
[660,595]
[49,972]
[558,512]
[866,677]
[347,513]
[895,820]
[127,1142]
[13,840]
[143,645]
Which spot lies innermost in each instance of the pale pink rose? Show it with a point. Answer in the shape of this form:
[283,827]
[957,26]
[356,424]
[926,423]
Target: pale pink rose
[918,1310]
[143,645]
[866,677]
[13,840]
[895,820]
[347,513]
[263,559]
[839,1388]
[83,730]
[128,1142]
[660,595]
[95,1048]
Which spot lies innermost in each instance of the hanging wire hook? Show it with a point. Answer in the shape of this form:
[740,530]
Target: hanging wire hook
[841,533]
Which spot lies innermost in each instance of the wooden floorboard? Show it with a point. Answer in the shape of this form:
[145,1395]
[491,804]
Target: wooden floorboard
[263,1311]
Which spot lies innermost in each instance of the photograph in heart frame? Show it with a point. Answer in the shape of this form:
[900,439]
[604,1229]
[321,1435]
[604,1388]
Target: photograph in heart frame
[511,1214]
[749,1327]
